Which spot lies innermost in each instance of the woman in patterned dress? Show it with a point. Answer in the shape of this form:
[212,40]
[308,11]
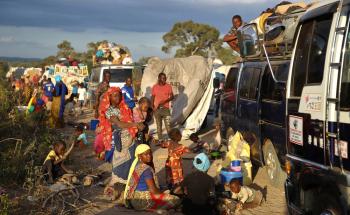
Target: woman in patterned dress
[117,131]
[142,190]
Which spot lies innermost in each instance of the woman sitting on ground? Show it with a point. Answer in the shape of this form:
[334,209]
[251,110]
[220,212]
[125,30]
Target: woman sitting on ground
[142,192]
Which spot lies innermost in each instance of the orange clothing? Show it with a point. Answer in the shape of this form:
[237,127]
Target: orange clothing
[161,93]
[173,165]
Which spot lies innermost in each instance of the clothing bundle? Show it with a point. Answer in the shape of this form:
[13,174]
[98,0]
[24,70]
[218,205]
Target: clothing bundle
[112,53]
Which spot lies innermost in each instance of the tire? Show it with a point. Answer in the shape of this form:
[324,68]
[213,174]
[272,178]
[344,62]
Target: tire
[330,204]
[274,172]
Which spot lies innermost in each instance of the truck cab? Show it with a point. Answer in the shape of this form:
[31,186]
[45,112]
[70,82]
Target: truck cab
[119,74]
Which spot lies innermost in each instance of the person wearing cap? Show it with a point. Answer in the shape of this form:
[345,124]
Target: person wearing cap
[199,188]
[58,103]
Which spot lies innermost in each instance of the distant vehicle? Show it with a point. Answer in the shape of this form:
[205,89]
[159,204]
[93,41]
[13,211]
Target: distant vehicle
[119,74]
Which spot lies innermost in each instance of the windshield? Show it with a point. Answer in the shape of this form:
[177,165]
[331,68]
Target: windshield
[120,75]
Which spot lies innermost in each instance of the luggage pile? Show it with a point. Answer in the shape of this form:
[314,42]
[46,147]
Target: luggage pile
[277,25]
[112,53]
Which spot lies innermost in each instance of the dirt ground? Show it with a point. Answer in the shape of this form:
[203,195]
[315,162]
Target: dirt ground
[83,161]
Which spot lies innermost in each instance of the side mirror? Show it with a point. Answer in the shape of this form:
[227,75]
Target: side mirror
[248,40]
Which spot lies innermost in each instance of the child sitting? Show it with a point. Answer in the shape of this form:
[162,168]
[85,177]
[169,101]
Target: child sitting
[199,188]
[53,165]
[81,136]
[201,146]
[173,165]
[247,197]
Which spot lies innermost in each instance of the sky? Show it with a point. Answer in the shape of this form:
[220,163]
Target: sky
[33,28]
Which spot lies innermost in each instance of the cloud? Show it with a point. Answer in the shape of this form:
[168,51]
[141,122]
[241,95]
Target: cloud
[130,15]
[6,39]
[222,2]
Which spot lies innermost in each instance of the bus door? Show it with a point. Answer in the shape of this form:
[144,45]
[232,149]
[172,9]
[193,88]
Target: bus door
[273,107]
[344,110]
[248,104]
[229,99]
[307,92]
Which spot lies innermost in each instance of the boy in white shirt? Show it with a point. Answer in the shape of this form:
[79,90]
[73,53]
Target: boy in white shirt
[81,96]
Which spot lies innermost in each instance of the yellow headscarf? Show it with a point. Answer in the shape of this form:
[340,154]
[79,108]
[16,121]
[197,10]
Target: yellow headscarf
[139,150]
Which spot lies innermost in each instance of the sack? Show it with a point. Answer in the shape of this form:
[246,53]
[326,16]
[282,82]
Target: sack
[117,140]
[109,155]
[116,145]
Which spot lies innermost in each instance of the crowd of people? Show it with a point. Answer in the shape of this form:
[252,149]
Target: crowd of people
[123,139]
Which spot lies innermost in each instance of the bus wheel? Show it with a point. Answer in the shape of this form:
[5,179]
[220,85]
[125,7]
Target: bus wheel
[272,165]
[330,205]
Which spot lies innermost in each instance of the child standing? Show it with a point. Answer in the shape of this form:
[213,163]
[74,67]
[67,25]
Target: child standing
[81,96]
[53,165]
[173,165]
[140,115]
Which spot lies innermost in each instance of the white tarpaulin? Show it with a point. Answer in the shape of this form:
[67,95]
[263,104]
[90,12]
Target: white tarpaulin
[189,77]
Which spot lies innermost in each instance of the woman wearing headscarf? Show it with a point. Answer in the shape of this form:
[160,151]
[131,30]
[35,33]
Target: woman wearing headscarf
[198,193]
[116,134]
[142,190]
[58,103]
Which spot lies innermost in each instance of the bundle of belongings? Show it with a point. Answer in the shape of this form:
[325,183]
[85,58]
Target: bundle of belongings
[237,161]
[277,25]
[112,53]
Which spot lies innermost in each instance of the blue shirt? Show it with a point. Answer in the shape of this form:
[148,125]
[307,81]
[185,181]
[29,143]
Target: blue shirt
[142,186]
[128,94]
[48,88]
[75,90]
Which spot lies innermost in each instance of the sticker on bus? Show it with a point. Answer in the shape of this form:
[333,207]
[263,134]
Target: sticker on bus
[343,148]
[296,130]
[313,102]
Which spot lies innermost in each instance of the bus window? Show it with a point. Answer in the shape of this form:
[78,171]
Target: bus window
[231,81]
[249,83]
[310,54]
[345,82]
[271,90]
[120,75]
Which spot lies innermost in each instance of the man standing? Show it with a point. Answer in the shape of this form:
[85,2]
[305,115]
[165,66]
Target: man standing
[162,94]
[48,92]
[231,37]
[128,94]
[102,88]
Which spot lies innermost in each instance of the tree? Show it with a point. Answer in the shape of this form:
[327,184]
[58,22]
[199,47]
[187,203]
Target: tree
[191,39]
[65,49]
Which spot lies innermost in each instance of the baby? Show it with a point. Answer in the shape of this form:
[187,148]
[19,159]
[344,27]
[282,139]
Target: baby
[246,196]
